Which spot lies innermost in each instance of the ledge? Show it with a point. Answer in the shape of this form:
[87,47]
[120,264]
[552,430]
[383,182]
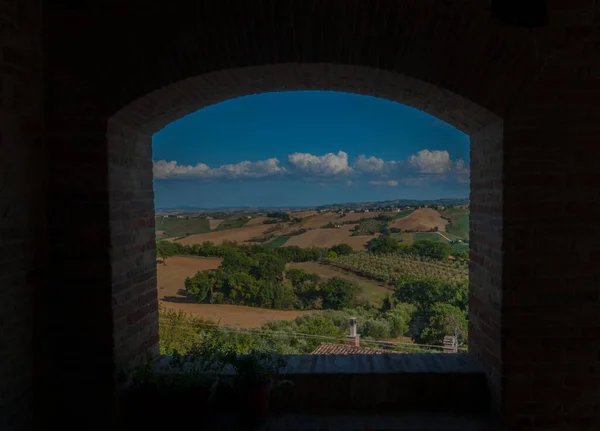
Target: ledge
[461,363]
[436,382]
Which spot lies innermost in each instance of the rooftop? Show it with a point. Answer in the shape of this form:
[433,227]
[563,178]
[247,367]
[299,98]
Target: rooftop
[346,349]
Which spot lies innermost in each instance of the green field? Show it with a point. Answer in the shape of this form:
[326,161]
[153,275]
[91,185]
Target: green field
[232,223]
[405,237]
[372,290]
[368,227]
[460,247]
[430,236]
[277,242]
[459,222]
[402,214]
[176,227]
[386,268]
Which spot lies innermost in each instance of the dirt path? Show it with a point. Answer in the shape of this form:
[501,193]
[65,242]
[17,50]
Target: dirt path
[443,236]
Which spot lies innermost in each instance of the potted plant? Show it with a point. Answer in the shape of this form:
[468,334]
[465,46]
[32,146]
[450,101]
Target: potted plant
[256,375]
[184,383]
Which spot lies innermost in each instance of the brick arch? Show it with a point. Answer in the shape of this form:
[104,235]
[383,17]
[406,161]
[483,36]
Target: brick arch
[157,109]
[130,181]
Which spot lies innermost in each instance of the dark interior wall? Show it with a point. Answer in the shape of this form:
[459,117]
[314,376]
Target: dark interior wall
[21,204]
[551,276]
[98,59]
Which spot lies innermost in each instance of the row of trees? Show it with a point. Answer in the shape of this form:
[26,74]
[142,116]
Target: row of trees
[256,278]
[423,248]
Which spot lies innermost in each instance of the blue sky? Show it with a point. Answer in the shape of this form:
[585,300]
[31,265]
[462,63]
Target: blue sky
[303,148]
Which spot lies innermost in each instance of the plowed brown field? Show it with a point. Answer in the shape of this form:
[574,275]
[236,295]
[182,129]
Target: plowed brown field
[421,220]
[240,235]
[330,237]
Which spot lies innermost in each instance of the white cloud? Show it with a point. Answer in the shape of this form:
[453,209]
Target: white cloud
[246,169]
[421,167]
[374,165]
[459,167]
[390,183]
[328,165]
[370,165]
[431,162]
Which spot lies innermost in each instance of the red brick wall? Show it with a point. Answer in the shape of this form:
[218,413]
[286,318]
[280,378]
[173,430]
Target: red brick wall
[133,251]
[21,206]
[486,251]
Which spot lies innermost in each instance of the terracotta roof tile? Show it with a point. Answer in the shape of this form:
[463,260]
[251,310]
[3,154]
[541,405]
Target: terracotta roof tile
[346,349]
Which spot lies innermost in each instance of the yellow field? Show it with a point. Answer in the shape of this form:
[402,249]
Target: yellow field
[172,276]
[171,295]
[239,235]
[321,220]
[257,221]
[330,237]
[421,220]
[236,315]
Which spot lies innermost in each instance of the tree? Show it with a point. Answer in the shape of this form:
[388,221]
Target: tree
[331,255]
[295,275]
[461,254]
[384,229]
[388,303]
[445,319]
[434,250]
[423,293]
[342,249]
[267,266]
[202,285]
[383,244]
[235,261]
[317,324]
[165,249]
[338,293]
[377,329]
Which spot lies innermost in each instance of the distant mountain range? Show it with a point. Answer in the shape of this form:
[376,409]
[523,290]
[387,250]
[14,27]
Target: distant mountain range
[375,204]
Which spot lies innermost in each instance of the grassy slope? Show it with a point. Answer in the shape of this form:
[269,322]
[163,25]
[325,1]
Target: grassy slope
[232,223]
[175,227]
[402,214]
[372,290]
[369,227]
[459,222]
[277,242]
[432,236]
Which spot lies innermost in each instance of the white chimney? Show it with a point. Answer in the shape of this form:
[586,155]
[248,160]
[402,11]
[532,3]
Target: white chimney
[354,337]
[450,344]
